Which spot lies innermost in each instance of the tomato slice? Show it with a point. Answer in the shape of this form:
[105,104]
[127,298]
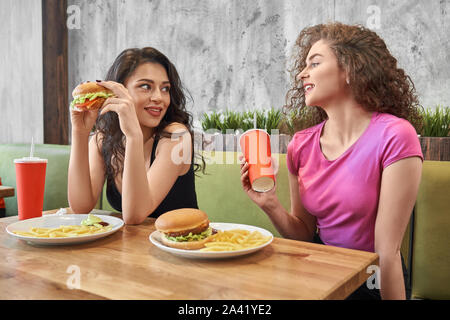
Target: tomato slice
[85,105]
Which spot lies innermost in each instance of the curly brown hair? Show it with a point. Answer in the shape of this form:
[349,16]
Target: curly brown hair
[376,81]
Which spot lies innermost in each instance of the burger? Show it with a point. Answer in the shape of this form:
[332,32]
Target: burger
[89,96]
[186,229]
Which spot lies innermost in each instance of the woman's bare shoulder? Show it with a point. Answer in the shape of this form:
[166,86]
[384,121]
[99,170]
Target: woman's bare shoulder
[174,134]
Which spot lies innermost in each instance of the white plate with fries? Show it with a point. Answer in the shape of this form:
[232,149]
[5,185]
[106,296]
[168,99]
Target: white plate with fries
[232,240]
[62,229]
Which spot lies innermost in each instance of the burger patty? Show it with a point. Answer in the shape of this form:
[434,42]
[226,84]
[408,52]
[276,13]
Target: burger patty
[196,230]
[102,223]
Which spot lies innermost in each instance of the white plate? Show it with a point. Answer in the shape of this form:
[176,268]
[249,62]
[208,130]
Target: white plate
[155,239]
[54,221]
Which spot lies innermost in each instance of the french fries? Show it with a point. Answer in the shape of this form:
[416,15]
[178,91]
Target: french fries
[63,231]
[236,239]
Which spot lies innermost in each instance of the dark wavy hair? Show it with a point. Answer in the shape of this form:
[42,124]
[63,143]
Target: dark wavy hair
[376,81]
[112,137]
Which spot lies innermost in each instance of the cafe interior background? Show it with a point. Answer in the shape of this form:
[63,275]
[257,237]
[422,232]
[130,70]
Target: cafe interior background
[231,55]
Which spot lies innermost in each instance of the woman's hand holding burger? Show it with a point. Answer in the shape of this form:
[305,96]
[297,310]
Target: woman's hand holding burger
[83,121]
[88,97]
[122,104]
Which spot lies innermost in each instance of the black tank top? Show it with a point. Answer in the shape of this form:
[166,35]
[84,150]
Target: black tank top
[182,194]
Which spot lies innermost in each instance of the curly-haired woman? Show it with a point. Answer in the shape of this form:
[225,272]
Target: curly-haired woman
[355,172]
[142,145]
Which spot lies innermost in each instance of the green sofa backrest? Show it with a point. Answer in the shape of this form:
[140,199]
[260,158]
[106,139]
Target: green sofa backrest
[220,193]
[55,195]
[431,241]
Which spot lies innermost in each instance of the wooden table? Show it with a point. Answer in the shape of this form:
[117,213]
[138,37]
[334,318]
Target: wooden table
[125,265]
[6,192]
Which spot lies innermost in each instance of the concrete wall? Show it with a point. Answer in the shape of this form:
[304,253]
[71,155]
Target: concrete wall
[21,98]
[231,54]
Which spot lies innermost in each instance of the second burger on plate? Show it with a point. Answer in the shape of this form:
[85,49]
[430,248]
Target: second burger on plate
[185,228]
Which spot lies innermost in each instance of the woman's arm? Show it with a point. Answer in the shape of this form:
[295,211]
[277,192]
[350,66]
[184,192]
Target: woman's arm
[297,225]
[86,173]
[143,190]
[399,186]
[86,170]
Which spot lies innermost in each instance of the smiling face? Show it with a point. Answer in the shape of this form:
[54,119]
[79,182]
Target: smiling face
[149,87]
[323,80]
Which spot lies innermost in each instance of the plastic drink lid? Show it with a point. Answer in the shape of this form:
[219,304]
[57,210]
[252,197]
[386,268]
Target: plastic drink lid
[30,160]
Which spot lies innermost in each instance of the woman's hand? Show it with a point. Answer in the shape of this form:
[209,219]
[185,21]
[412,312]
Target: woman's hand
[83,121]
[260,198]
[123,105]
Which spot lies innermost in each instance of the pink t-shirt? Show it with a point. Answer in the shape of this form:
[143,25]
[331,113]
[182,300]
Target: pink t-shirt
[343,193]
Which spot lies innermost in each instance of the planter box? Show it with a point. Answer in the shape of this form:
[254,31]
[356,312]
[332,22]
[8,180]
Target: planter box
[435,148]
[212,142]
[230,142]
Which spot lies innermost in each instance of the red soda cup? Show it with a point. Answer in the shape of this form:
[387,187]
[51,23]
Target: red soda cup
[255,146]
[30,183]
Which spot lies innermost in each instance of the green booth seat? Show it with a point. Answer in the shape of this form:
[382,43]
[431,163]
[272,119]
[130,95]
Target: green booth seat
[431,234]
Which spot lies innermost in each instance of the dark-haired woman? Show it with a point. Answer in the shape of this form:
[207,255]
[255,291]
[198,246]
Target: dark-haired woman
[142,145]
[355,172]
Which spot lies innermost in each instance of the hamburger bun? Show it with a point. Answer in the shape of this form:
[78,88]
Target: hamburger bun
[89,96]
[88,87]
[180,219]
[180,223]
